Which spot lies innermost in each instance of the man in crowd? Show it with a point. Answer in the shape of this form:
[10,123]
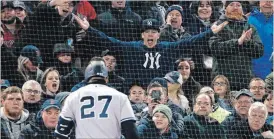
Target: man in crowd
[45,123]
[257,88]
[115,80]
[242,101]
[32,96]
[10,29]
[218,112]
[199,124]
[173,29]
[234,47]
[13,115]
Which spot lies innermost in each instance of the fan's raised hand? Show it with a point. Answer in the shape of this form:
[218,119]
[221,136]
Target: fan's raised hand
[83,23]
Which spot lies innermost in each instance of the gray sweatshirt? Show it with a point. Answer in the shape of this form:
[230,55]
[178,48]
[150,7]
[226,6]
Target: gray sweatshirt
[10,128]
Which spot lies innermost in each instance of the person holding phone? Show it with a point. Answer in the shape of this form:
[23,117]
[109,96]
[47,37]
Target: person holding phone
[157,95]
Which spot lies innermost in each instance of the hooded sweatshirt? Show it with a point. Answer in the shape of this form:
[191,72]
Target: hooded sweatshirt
[11,129]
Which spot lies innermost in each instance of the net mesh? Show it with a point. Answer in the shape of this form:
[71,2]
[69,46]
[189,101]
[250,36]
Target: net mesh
[42,41]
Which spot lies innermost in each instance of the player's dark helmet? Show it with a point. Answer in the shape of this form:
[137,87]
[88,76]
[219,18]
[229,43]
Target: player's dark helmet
[96,68]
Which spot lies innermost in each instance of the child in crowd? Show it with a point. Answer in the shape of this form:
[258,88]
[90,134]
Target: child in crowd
[137,97]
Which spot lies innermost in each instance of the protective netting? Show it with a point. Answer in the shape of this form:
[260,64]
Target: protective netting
[52,42]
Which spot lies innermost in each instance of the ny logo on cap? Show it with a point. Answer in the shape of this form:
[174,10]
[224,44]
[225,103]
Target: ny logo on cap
[149,23]
[52,101]
[38,53]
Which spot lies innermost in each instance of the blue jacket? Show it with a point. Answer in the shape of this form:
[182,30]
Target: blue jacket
[143,63]
[262,66]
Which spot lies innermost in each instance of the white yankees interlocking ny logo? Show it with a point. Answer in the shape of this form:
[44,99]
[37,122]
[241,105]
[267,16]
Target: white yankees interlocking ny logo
[149,23]
[153,60]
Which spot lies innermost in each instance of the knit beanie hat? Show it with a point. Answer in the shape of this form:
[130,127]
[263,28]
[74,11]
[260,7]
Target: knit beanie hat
[165,110]
[174,7]
[228,2]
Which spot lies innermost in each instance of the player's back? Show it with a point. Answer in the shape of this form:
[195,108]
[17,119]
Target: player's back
[98,111]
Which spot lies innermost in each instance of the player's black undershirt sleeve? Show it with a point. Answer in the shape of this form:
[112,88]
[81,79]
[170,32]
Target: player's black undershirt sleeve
[129,128]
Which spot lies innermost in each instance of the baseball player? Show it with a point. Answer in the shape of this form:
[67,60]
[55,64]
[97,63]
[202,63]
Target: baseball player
[96,110]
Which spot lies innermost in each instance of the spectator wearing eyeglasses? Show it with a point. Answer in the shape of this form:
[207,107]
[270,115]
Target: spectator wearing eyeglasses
[64,63]
[190,86]
[199,125]
[32,95]
[218,112]
[268,101]
[241,101]
[257,88]
[221,87]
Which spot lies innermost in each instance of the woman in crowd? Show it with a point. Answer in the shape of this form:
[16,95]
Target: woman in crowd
[50,83]
[221,87]
[175,92]
[203,15]
[190,86]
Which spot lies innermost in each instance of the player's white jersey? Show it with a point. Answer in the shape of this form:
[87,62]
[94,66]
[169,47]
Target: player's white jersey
[98,111]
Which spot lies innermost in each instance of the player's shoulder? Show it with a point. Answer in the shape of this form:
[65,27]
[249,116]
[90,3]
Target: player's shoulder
[98,89]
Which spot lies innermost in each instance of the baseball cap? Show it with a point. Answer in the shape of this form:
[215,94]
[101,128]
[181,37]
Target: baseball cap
[33,53]
[151,24]
[6,4]
[62,48]
[19,4]
[161,81]
[165,110]
[174,77]
[107,52]
[4,84]
[244,92]
[50,103]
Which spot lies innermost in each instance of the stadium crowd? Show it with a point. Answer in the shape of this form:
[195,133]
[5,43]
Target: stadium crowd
[191,69]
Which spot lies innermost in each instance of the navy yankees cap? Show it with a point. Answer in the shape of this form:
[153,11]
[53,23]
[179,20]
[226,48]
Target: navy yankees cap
[151,24]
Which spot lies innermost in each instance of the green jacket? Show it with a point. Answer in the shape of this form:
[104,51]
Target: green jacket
[231,59]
